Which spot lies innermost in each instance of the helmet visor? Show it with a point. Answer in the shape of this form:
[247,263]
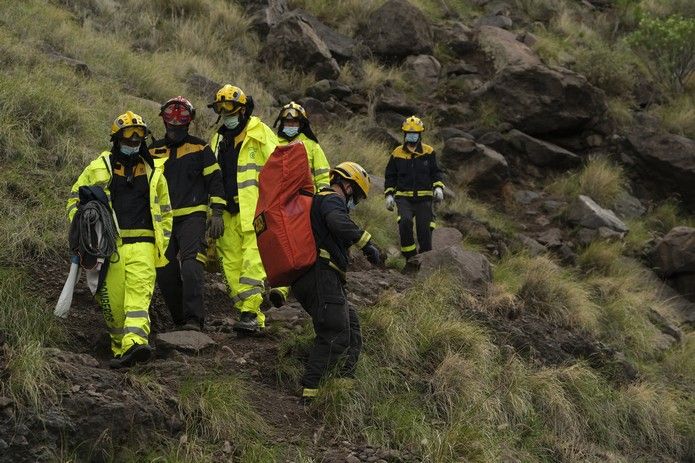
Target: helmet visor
[290,113]
[176,114]
[226,107]
[133,133]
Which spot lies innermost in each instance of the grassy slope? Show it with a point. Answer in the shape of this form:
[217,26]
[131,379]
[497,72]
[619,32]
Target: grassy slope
[436,384]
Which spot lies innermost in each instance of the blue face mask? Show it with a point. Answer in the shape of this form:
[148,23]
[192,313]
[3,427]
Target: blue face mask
[290,132]
[351,204]
[231,122]
[412,137]
[129,150]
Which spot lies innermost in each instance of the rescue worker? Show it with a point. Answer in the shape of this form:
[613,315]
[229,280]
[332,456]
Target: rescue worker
[194,180]
[293,125]
[137,190]
[412,180]
[321,290]
[242,144]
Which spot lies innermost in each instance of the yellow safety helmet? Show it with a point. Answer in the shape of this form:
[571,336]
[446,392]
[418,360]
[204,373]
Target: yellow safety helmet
[413,124]
[228,99]
[292,110]
[129,124]
[352,171]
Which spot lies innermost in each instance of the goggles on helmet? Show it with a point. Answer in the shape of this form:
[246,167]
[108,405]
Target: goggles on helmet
[290,113]
[133,133]
[226,107]
[176,114]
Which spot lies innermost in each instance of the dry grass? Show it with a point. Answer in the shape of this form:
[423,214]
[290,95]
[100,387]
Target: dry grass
[436,384]
[601,179]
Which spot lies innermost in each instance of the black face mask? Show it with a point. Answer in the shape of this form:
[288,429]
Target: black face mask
[176,133]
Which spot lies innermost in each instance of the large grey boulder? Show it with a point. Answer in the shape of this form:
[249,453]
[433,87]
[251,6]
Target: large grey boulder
[443,237]
[472,269]
[627,206]
[503,48]
[585,212]
[674,254]
[294,33]
[424,69]
[394,101]
[541,153]
[538,100]
[265,14]
[664,163]
[187,341]
[396,30]
[340,45]
[470,163]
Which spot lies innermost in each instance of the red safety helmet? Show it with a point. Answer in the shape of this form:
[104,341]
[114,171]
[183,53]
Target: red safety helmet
[177,111]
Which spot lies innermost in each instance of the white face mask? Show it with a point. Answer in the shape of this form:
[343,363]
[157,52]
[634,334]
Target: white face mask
[412,137]
[129,150]
[231,122]
[291,132]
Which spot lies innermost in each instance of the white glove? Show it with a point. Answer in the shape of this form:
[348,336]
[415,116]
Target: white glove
[438,194]
[390,202]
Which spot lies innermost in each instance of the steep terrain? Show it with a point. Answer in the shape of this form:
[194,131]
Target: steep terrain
[552,322]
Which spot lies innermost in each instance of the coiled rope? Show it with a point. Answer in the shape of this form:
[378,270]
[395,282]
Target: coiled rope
[89,242]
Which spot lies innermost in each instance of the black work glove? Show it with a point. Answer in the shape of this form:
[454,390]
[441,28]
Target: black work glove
[371,253]
[216,224]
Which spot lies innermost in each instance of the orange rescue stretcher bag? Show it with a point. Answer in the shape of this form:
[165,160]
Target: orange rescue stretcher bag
[283,215]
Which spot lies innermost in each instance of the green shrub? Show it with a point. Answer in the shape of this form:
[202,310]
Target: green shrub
[601,179]
[668,45]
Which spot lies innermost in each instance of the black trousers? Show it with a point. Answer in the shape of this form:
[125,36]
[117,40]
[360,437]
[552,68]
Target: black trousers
[420,210]
[181,280]
[338,339]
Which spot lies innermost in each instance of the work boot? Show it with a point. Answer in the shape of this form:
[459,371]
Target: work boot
[191,326]
[248,323]
[309,395]
[277,297]
[138,353]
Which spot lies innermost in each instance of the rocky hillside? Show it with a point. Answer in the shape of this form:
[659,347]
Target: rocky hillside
[552,322]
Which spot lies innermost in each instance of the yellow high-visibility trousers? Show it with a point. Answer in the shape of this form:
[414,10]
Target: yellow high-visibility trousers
[242,267]
[126,294]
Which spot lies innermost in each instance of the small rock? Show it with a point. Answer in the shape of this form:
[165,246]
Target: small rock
[585,212]
[500,21]
[553,206]
[452,132]
[227,447]
[5,402]
[627,206]
[586,236]
[542,221]
[551,238]
[75,388]
[352,459]
[566,254]
[190,341]
[525,196]
[534,247]
[608,233]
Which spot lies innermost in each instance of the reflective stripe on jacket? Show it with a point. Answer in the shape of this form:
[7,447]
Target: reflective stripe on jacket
[258,144]
[320,168]
[99,173]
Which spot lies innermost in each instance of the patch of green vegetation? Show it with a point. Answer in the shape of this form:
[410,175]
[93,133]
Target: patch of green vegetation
[217,409]
[601,179]
[431,381]
[26,324]
[666,44]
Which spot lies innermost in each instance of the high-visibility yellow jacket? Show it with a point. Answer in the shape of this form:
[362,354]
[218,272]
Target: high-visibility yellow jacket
[99,172]
[318,163]
[259,142]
